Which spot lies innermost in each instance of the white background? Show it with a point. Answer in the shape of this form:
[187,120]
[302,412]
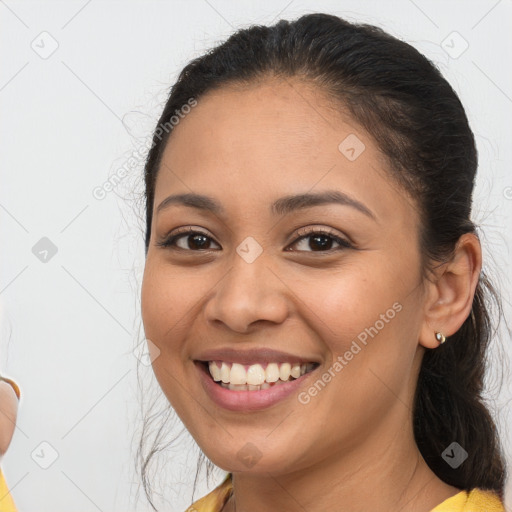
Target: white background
[68,122]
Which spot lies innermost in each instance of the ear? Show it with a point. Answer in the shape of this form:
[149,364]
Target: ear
[450,295]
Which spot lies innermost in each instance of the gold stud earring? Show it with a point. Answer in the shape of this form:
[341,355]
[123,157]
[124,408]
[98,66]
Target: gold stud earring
[440,337]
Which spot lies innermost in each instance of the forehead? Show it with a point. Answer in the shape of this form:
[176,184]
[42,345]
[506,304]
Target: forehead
[276,117]
[251,143]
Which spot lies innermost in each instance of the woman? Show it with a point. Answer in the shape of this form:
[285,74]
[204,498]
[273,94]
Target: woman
[9,398]
[313,292]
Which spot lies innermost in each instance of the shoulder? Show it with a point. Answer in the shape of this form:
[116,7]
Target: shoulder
[7,504]
[474,500]
[483,500]
[215,500]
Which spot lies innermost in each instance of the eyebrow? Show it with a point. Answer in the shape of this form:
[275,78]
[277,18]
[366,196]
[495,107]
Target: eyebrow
[281,206]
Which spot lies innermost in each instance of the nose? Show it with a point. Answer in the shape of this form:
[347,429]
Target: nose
[247,294]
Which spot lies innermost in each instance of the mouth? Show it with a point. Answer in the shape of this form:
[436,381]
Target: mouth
[255,377]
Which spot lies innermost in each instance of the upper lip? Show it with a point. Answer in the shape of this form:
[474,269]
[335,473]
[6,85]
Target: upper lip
[252,356]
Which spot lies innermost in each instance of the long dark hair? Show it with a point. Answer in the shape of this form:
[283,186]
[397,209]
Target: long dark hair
[401,99]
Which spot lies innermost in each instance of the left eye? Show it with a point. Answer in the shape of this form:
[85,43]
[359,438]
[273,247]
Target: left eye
[197,241]
[321,241]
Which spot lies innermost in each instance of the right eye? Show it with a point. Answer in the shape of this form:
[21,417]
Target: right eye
[196,241]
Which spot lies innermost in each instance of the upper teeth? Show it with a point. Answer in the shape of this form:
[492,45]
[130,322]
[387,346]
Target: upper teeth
[256,374]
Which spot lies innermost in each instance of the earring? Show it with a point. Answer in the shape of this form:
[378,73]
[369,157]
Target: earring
[440,337]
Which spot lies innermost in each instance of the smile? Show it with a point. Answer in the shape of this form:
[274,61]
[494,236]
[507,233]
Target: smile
[218,379]
[255,377]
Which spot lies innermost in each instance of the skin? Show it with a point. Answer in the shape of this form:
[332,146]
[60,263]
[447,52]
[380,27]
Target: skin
[8,414]
[352,444]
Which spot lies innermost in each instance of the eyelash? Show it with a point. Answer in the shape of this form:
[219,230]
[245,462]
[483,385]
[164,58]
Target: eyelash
[303,233]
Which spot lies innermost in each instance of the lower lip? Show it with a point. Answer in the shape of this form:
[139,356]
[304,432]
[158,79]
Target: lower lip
[248,400]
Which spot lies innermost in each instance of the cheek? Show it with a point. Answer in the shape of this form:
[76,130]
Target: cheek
[359,314]
[368,370]
[153,306]
[170,299]
[347,302]
[164,299]
[161,310]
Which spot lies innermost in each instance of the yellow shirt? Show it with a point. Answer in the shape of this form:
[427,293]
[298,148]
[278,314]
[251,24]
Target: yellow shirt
[6,501]
[476,500]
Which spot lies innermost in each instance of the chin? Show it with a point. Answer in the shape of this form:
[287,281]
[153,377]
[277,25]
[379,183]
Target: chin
[250,460]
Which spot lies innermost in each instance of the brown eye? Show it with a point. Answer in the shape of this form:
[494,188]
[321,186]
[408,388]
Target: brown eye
[321,241]
[190,240]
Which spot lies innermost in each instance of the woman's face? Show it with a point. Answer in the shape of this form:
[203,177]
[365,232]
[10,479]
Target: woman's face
[334,281]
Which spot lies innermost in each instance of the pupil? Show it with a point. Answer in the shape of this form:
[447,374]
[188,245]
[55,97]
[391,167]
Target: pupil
[327,241]
[200,244]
